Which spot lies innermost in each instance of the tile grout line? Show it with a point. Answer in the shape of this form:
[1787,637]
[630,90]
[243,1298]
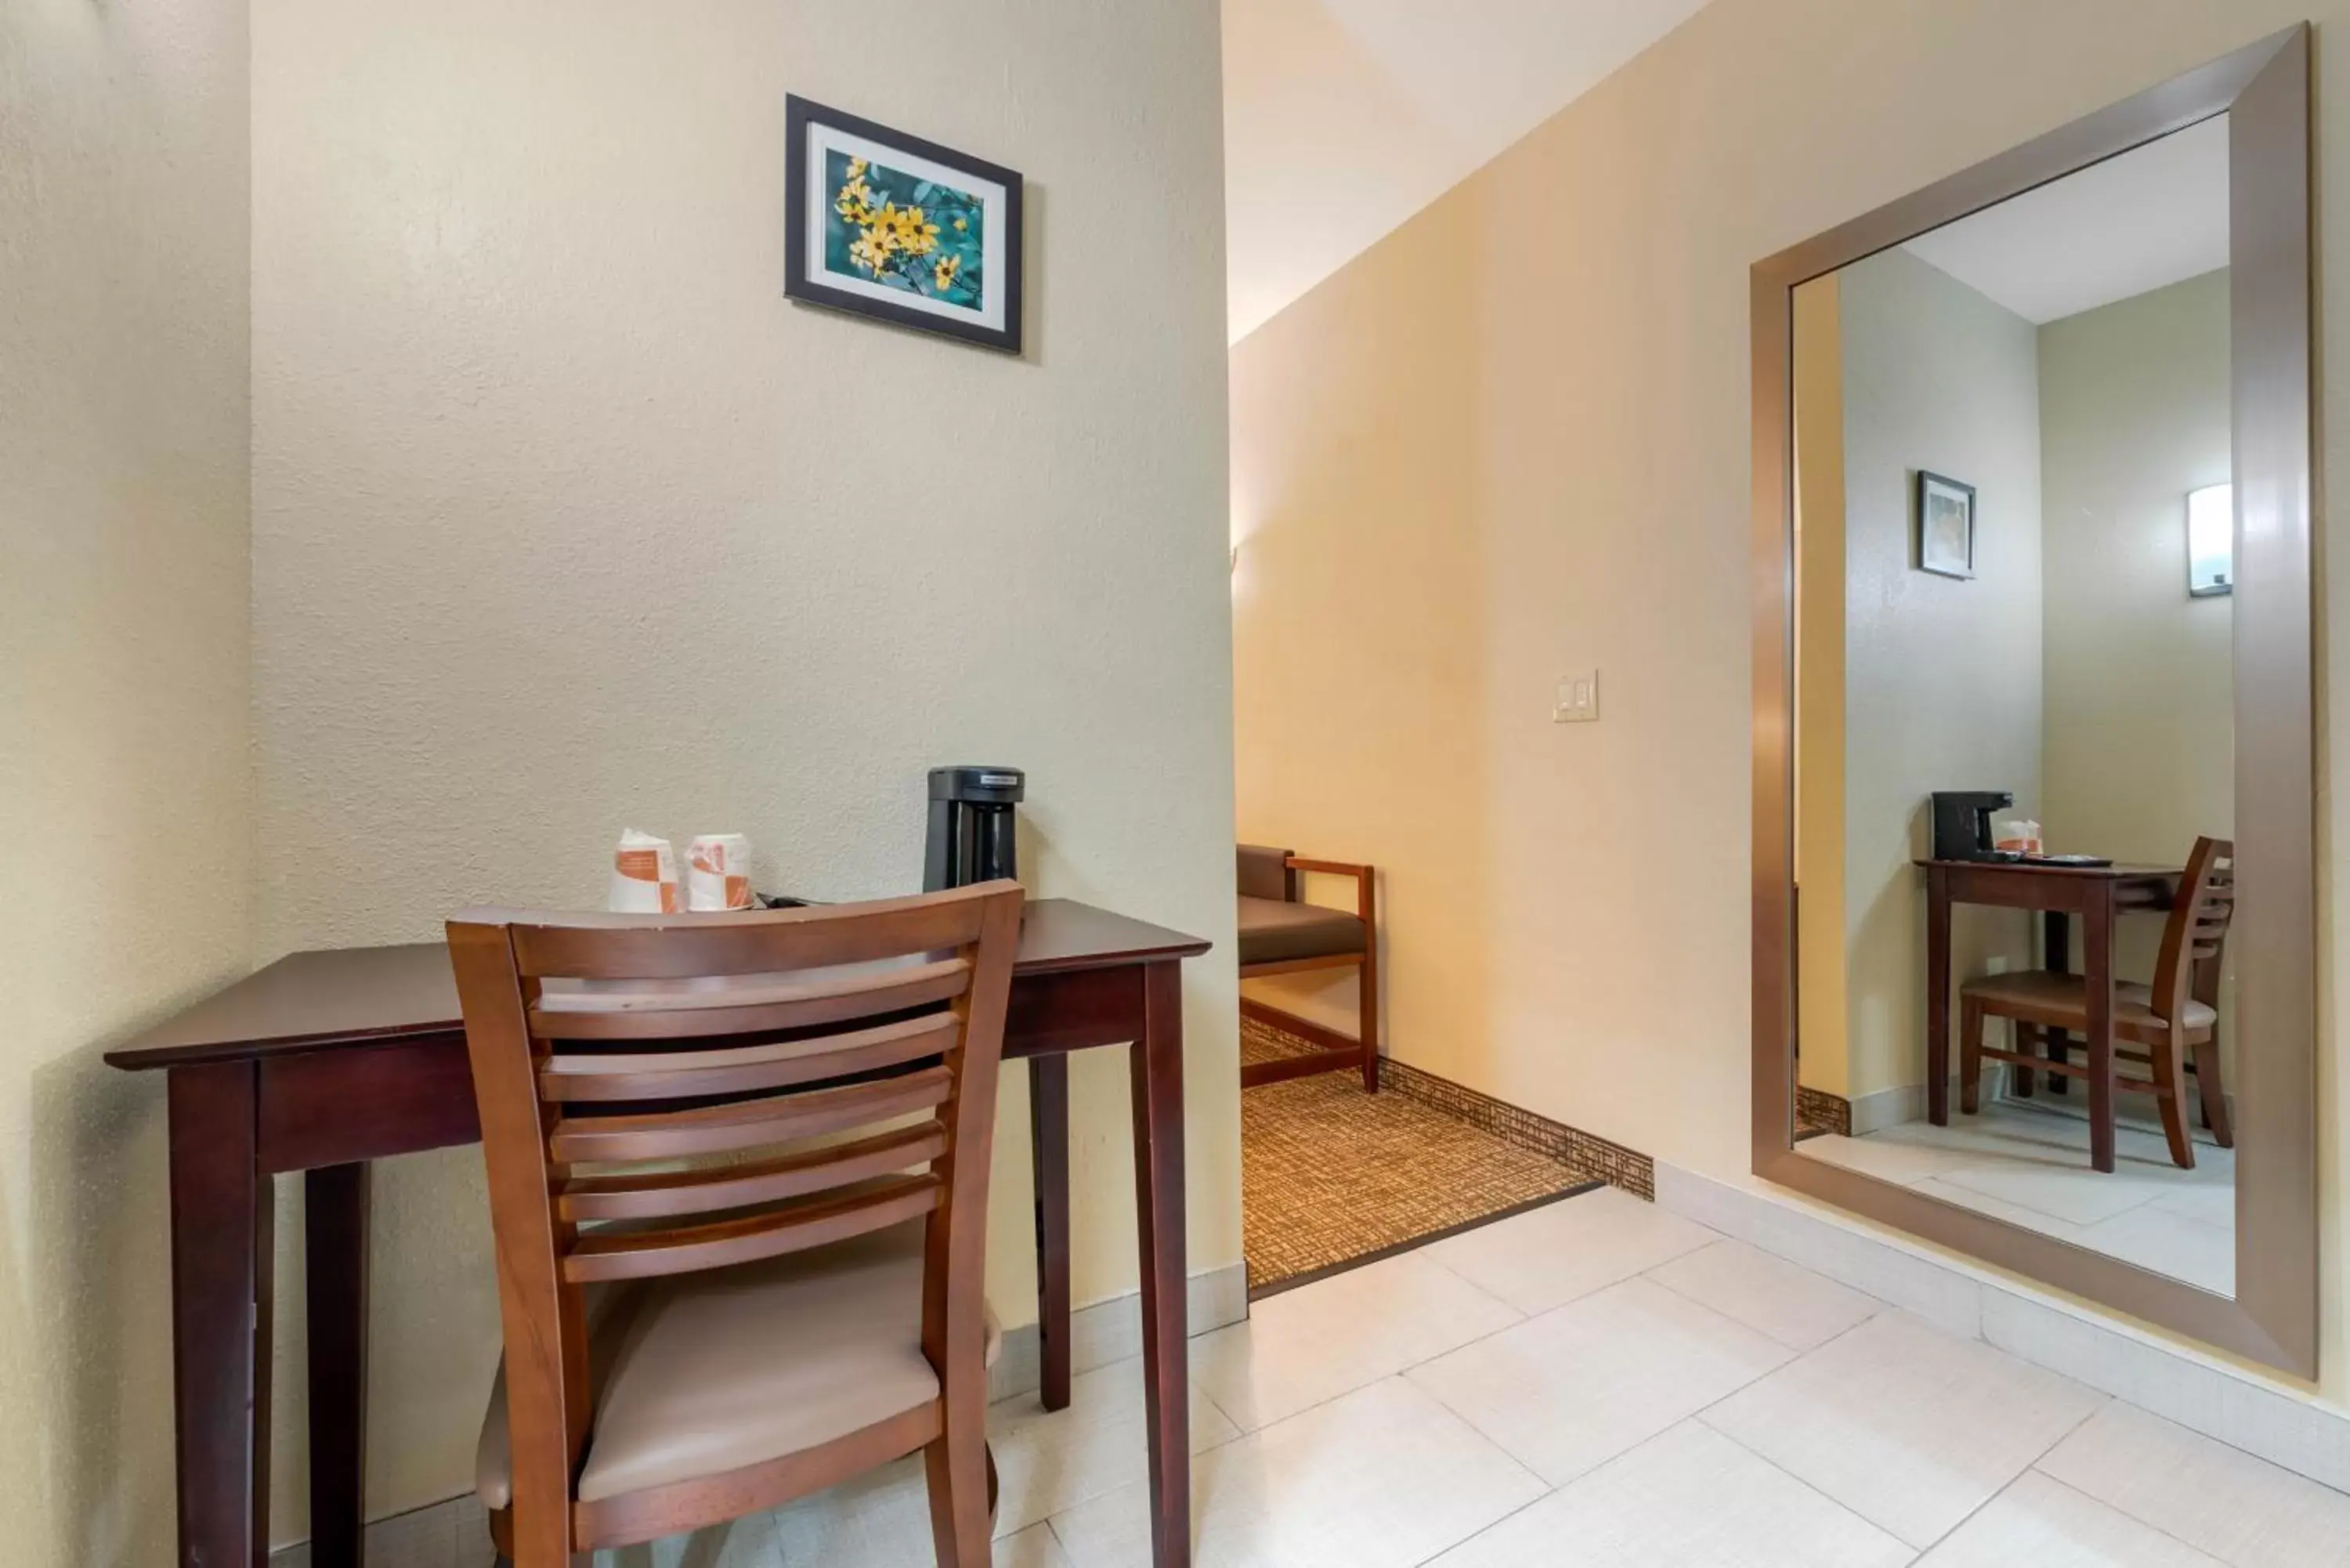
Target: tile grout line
[2063,1484]
[1799,1350]
[1794,1355]
[2031,1467]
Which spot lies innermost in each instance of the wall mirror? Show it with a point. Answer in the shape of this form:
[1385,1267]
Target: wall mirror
[2035,880]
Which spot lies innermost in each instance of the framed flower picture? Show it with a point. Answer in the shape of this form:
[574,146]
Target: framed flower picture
[1945,526]
[888,225]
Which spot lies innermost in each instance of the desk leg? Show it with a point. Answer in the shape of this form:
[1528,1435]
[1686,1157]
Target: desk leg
[1937,997]
[2099,969]
[335,1236]
[2056,957]
[1158,1059]
[222,1247]
[1049,1141]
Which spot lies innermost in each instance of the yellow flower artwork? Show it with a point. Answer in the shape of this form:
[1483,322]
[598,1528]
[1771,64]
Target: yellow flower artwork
[901,231]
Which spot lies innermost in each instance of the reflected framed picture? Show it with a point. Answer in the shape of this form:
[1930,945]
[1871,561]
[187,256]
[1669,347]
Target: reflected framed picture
[1945,526]
[887,225]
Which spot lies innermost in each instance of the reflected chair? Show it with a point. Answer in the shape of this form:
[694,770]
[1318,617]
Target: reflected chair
[1281,933]
[2174,1022]
[738,1185]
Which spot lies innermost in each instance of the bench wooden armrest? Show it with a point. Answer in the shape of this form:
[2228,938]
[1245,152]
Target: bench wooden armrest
[1363,882]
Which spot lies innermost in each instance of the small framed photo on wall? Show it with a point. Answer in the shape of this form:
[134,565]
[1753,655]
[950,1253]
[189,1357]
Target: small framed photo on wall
[1945,526]
[884,225]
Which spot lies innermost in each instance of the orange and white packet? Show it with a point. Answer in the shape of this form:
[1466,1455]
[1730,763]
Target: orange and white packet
[644,876]
[718,872]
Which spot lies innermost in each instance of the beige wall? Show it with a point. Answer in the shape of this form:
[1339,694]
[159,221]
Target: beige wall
[125,796]
[1822,1023]
[565,520]
[2140,757]
[1587,292]
[2141,723]
[1942,677]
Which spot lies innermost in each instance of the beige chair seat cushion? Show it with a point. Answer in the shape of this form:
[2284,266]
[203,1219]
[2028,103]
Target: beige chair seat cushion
[2062,1001]
[704,1373]
[1272,930]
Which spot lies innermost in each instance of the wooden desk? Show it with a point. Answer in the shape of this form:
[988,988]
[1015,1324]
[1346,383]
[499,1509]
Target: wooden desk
[325,1061]
[2097,894]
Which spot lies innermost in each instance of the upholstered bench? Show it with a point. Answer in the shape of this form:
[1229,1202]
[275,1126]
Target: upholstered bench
[1280,933]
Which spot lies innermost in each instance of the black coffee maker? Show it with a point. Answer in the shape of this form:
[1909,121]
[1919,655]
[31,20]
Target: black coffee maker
[1962,826]
[971,838]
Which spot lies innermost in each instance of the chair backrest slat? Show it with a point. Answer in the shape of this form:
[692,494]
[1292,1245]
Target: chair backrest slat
[652,1010]
[2196,934]
[744,1085]
[745,1069]
[768,941]
[732,1125]
[699,1189]
[632,1254]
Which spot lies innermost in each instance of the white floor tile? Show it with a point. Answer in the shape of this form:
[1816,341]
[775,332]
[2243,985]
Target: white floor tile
[2211,1203]
[1999,1208]
[1571,1389]
[880,1520]
[1383,1478]
[1906,1426]
[1550,1255]
[1049,1461]
[748,1542]
[2240,1509]
[2170,1243]
[2077,1194]
[1786,1301]
[1688,1499]
[1035,1547]
[2047,1524]
[1316,1343]
[1888,1159]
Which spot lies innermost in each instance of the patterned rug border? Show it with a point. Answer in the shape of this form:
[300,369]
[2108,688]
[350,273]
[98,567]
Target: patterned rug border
[1819,1112]
[1608,1162]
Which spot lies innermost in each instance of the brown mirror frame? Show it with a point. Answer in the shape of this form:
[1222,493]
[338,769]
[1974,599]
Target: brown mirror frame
[2273,1316]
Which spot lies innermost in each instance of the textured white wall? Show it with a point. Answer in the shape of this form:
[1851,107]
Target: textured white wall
[125,794]
[565,520]
[1942,677]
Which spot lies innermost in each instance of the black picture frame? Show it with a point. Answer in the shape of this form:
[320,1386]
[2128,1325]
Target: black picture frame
[810,286]
[1933,554]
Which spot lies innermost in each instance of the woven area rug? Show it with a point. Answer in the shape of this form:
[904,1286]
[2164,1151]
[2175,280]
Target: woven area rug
[1331,1176]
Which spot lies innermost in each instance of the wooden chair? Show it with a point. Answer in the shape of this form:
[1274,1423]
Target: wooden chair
[2176,1020]
[1280,933]
[738,1183]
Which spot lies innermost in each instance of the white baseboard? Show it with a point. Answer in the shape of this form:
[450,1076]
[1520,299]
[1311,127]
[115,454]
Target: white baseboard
[2273,1421]
[455,1535]
[1112,1330]
[1888,1108]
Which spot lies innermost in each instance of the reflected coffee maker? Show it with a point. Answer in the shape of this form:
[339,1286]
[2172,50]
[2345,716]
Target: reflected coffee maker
[971,838]
[1962,825]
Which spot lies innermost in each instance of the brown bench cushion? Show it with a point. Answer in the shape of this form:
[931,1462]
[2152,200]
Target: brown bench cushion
[1264,873]
[1272,930]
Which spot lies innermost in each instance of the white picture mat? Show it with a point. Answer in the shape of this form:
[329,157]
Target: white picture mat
[1950,553]
[825,139]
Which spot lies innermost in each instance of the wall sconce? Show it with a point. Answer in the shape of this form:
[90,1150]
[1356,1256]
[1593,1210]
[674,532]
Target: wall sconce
[2211,541]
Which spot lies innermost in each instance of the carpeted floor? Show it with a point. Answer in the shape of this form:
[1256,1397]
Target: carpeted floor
[1331,1176]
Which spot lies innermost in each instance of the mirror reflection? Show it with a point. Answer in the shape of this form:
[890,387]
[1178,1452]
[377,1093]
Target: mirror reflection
[2015,732]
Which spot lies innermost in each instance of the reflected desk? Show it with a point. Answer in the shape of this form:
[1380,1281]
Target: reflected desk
[2095,893]
[325,1061]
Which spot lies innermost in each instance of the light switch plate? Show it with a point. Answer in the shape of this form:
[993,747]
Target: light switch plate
[1578,699]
